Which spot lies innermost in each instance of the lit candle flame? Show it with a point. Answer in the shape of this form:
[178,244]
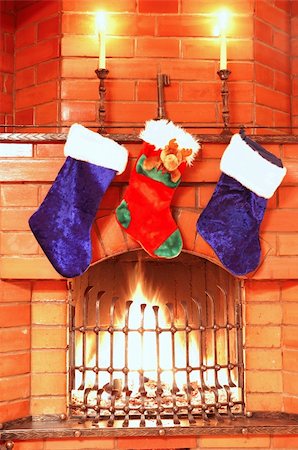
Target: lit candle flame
[223,20]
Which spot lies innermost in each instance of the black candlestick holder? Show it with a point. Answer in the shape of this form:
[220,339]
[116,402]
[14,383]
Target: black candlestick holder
[101,75]
[224,76]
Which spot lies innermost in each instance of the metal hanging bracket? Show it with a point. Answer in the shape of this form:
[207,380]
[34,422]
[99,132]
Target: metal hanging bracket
[162,81]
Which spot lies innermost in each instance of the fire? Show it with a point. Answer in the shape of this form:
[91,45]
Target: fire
[143,348]
[145,344]
[168,349]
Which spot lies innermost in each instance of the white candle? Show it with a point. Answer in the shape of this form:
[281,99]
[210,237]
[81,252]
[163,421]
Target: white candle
[223,53]
[102,50]
[101,28]
[222,26]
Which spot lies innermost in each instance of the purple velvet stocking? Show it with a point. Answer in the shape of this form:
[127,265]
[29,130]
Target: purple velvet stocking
[230,224]
[62,223]
[231,221]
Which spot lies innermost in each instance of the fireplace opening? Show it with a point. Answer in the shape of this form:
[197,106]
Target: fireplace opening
[155,343]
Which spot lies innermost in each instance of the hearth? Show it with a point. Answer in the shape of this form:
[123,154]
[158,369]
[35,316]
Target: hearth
[159,352]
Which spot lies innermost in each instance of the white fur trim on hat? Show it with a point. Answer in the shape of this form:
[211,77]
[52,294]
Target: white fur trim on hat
[247,166]
[89,146]
[160,132]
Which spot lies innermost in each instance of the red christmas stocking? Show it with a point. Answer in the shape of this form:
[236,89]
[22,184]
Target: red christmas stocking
[144,212]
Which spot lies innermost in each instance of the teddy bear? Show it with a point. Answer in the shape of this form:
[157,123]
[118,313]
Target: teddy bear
[168,160]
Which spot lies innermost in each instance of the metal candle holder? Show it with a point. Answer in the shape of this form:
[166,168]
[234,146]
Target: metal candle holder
[224,75]
[101,75]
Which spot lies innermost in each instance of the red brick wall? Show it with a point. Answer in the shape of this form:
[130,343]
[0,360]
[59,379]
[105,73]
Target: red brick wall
[37,63]
[7,30]
[48,344]
[266,324]
[294,64]
[175,37]
[272,65]
[15,343]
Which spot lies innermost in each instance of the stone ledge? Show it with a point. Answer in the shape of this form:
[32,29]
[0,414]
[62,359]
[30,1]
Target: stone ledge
[47,427]
[133,138]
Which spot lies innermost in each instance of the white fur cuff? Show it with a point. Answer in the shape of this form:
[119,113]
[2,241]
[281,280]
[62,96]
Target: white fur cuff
[89,146]
[247,166]
[160,132]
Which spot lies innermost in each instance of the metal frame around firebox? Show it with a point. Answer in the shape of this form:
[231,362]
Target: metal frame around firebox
[161,415]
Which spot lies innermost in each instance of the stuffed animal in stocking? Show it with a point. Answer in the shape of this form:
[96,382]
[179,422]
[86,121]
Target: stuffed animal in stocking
[144,212]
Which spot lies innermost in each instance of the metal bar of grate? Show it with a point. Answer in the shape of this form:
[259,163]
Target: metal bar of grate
[96,330]
[142,389]
[126,389]
[118,392]
[175,388]
[188,367]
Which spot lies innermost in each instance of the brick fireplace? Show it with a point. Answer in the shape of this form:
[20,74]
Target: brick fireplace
[48,82]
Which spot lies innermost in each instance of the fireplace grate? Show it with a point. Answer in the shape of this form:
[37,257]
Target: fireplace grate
[156,365]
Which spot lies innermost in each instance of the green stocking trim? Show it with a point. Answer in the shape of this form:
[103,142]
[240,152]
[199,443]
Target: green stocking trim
[171,247]
[155,174]
[123,214]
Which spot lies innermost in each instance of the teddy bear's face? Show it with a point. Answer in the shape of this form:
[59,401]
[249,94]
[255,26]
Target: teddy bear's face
[170,156]
[170,162]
